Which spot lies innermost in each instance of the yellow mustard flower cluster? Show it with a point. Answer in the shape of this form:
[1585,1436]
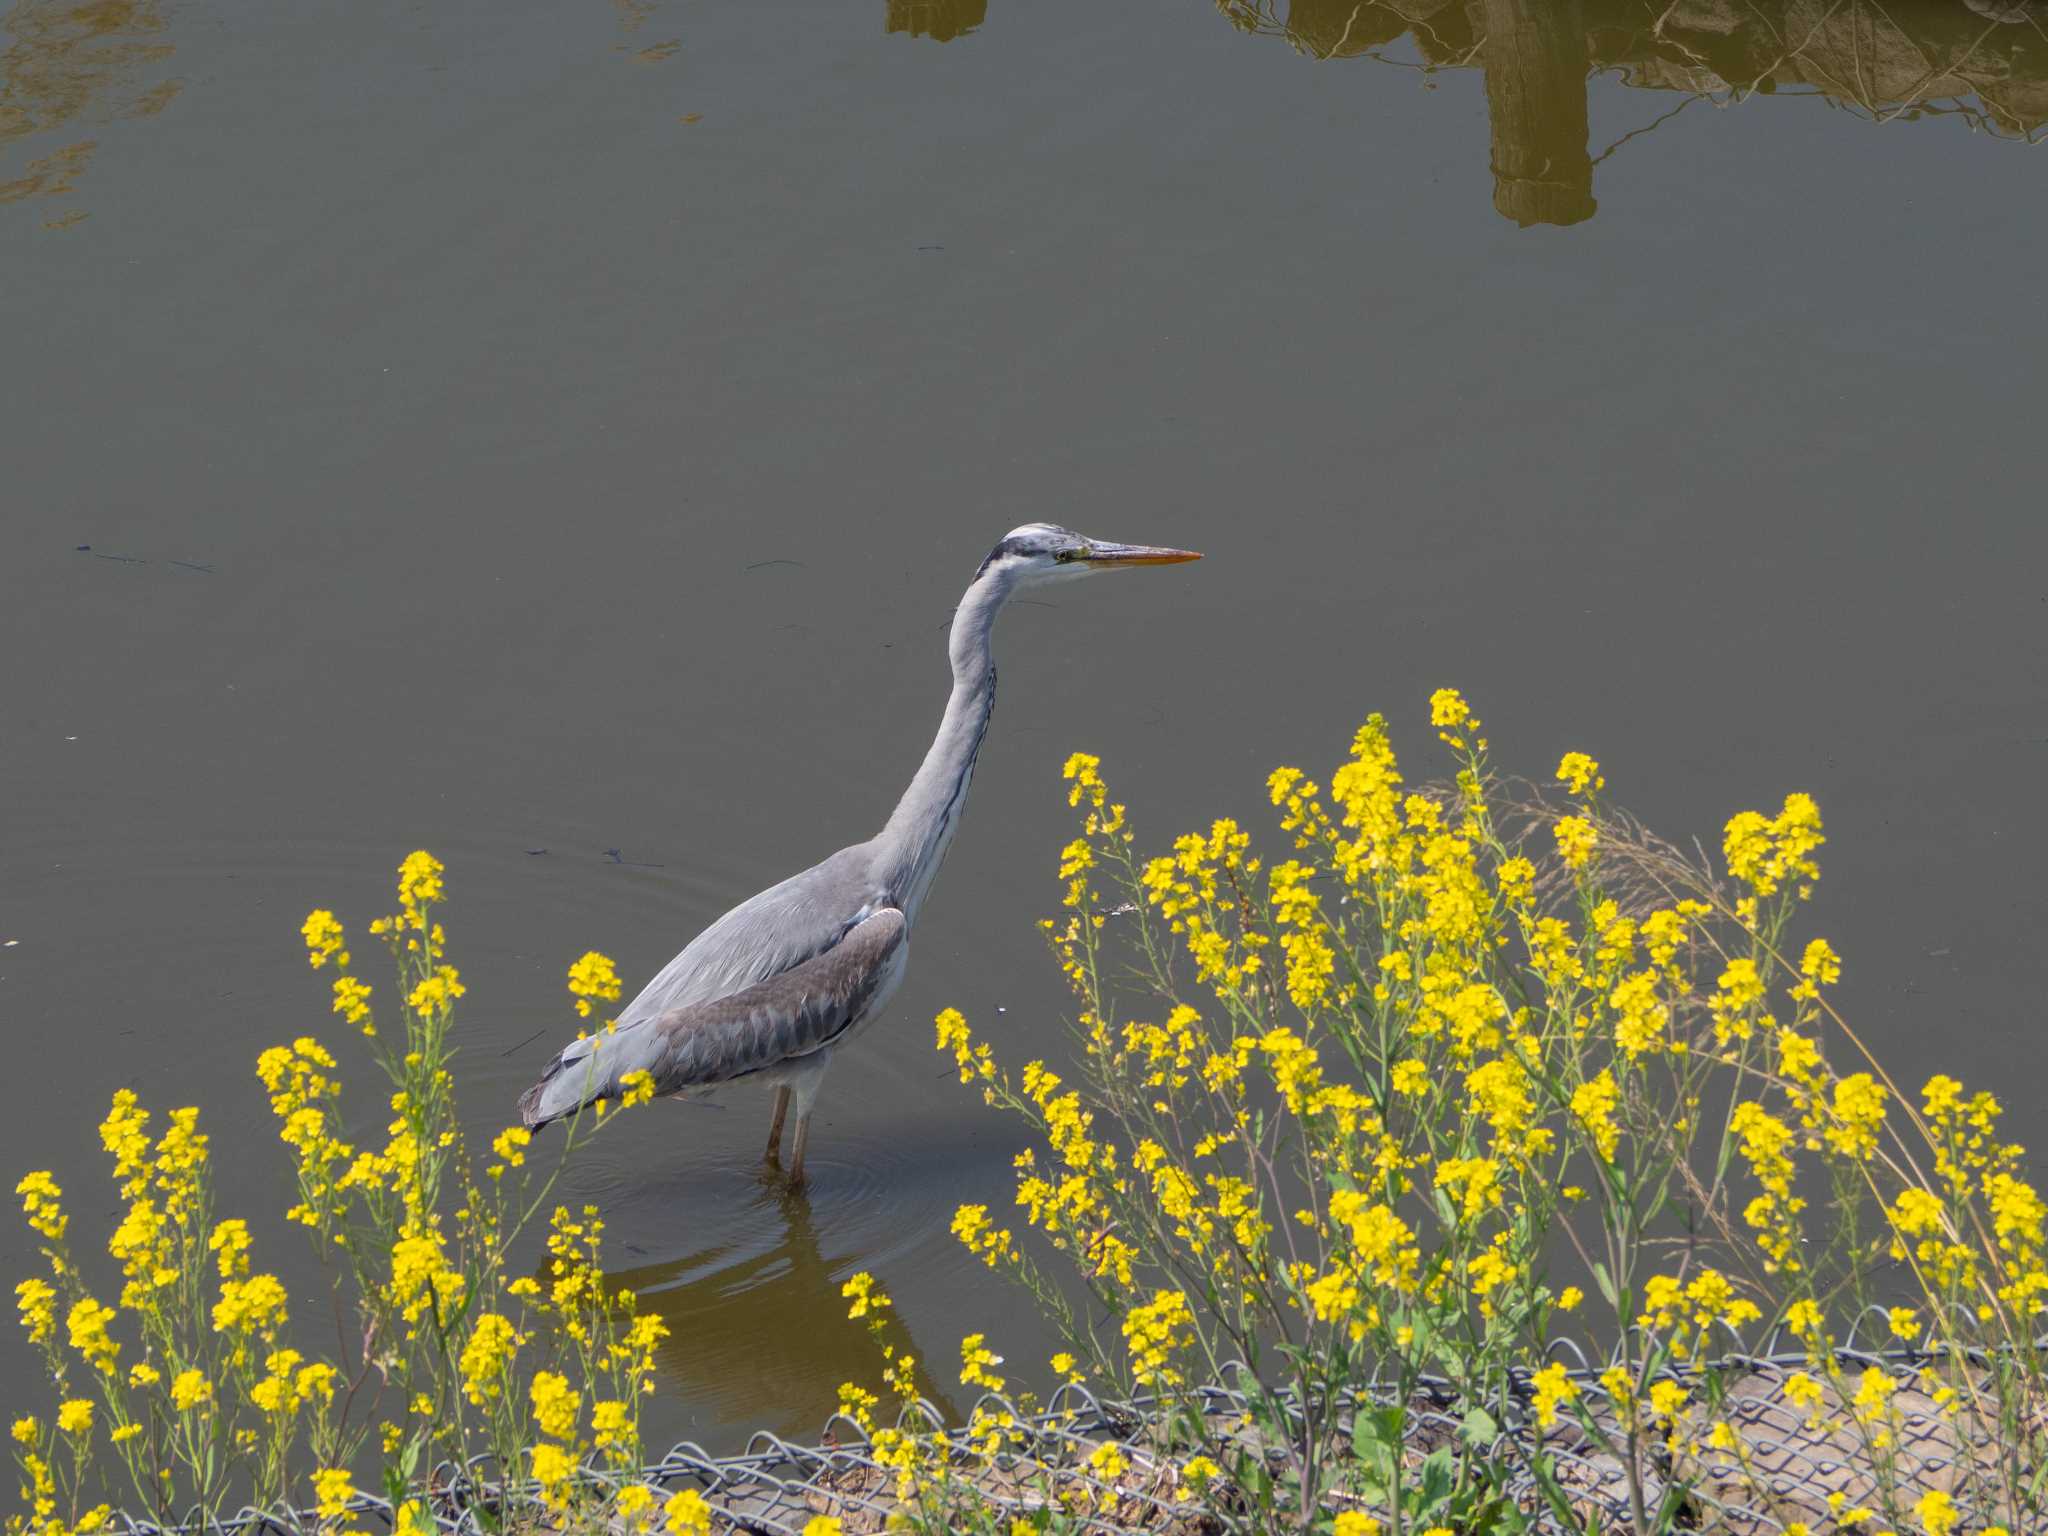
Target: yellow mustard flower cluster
[593,979]
[1446,1029]
[1768,853]
[188,1390]
[326,941]
[1686,1312]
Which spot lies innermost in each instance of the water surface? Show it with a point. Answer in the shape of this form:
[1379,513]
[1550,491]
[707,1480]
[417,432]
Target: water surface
[555,435]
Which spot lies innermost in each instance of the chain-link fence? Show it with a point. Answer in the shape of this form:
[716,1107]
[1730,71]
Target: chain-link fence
[1780,1467]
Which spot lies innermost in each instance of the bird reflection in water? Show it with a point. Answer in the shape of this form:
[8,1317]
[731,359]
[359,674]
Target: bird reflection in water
[758,1331]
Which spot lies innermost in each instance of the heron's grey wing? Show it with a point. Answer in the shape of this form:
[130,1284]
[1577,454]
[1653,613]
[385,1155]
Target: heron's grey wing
[700,1044]
[765,935]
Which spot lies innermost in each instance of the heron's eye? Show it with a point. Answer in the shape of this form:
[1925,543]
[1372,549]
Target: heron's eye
[1062,556]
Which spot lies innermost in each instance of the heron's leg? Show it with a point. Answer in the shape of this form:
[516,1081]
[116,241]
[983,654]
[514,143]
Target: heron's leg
[774,1152]
[796,1147]
[805,1082]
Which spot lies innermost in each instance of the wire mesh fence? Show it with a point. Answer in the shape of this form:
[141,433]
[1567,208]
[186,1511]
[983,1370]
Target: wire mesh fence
[1781,1468]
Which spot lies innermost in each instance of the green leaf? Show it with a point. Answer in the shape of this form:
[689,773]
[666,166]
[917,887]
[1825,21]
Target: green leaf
[1606,1283]
[1376,1438]
[1544,1470]
[1435,1482]
[1478,1429]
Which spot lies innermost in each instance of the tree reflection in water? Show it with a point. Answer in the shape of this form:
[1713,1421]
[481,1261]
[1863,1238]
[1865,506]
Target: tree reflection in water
[66,65]
[939,20]
[1985,61]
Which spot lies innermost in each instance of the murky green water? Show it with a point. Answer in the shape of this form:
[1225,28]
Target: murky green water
[555,434]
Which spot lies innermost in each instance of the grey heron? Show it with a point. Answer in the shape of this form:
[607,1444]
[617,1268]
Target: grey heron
[773,989]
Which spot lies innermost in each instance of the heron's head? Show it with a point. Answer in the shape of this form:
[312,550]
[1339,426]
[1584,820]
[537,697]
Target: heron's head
[1044,552]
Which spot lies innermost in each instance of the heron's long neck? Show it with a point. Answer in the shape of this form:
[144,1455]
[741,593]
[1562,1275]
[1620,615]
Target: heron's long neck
[913,844]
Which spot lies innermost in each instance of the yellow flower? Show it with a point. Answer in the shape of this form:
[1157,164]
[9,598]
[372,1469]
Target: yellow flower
[1874,1391]
[1593,1104]
[490,1348]
[593,980]
[611,1423]
[419,882]
[1859,1107]
[1198,1472]
[436,994]
[352,1002]
[39,1196]
[1551,1386]
[552,1465]
[981,1236]
[1448,709]
[37,1304]
[1084,771]
[1639,1018]
[864,1295]
[1805,1393]
[631,1506]
[1569,1298]
[1108,1461]
[332,1490]
[255,1305]
[1804,1319]
[1354,1522]
[125,1133]
[324,938]
[189,1390]
[688,1514]
[1667,1398]
[1576,839]
[975,1359]
[229,1240]
[26,1430]
[1819,967]
[555,1406]
[1475,1179]
[87,1324]
[822,1525]
[74,1417]
[1765,852]
[1577,772]
[510,1145]
[1153,1332]
[1937,1513]
[639,1088]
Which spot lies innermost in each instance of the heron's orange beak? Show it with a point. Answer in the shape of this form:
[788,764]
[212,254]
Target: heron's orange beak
[1136,554]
